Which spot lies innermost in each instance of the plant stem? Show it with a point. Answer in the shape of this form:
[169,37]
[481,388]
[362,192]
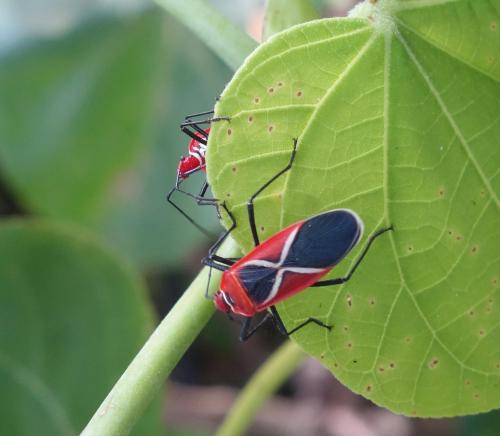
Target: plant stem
[147,372]
[270,376]
[225,39]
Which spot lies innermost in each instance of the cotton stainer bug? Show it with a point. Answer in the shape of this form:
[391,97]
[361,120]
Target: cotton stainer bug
[193,126]
[292,260]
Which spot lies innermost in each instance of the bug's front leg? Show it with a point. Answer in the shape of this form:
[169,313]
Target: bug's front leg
[247,330]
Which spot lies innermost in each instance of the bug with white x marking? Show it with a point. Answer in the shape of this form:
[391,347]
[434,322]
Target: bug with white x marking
[288,262]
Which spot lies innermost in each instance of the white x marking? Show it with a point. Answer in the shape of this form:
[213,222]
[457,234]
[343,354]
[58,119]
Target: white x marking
[278,266]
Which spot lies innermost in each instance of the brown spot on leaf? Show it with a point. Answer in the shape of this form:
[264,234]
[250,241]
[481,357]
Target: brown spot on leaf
[349,300]
[299,94]
[433,363]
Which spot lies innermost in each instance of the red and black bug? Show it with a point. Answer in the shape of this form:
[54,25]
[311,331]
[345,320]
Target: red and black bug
[193,126]
[195,160]
[288,262]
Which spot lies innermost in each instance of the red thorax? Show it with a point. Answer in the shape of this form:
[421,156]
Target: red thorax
[195,161]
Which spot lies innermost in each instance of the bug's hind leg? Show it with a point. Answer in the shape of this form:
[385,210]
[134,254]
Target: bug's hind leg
[250,207]
[340,280]
[281,326]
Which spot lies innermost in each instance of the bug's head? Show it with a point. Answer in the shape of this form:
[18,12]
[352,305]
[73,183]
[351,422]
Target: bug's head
[223,301]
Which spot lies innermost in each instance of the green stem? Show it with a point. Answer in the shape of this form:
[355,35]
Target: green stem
[159,355]
[265,381]
[226,40]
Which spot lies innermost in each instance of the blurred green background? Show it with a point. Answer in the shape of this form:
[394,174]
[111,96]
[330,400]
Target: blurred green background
[91,256]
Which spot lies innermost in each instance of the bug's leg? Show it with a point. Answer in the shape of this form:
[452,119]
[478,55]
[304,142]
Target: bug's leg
[212,252]
[191,120]
[247,330]
[193,222]
[194,129]
[340,280]
[250,208]
[215,264]
[281,326]
[203,190]
[192,133]
[213,260]
[199,114]
[200,199]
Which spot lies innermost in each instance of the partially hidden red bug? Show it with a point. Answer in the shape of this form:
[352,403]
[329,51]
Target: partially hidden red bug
[292,260]
[195,160]
[193,126]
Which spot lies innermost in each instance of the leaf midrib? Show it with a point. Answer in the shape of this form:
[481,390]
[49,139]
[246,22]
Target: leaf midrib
[458,133]
[321,103]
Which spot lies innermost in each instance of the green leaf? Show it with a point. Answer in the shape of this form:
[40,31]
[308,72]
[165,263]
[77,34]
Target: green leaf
[231,44]
[71,318]
[282,14]
[397,118]
[94,138]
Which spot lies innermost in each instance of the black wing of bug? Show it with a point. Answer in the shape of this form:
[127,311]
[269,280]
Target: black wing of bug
[324,240]
[258,281]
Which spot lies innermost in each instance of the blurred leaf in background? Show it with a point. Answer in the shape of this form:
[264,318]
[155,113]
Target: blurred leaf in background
[89,128]
[71,318]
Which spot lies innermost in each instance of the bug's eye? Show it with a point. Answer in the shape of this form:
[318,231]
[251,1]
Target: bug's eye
[228,300]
